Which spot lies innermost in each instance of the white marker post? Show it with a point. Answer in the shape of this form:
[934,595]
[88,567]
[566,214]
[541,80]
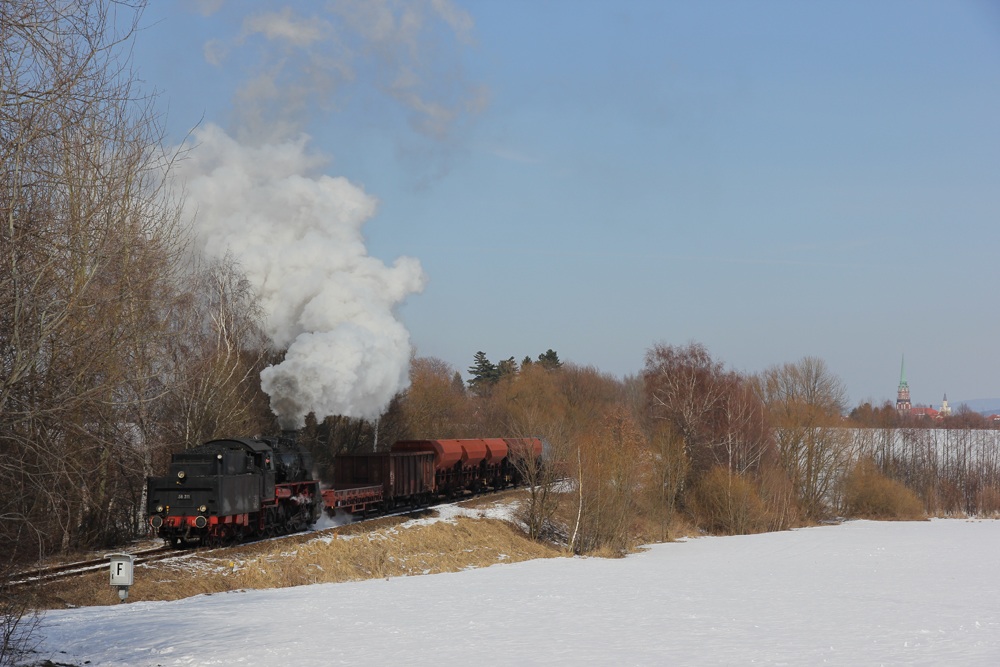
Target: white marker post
[121,573]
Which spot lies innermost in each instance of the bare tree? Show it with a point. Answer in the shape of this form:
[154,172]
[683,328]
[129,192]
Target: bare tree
[434,405]
[683,388]
[669,467]
[714,411]
[608,483]
[532,404]
[217,349]
[538,474]
[88,246]
[744,437]
[805,402]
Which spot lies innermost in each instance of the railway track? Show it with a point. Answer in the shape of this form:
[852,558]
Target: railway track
[77,568]
[43,575]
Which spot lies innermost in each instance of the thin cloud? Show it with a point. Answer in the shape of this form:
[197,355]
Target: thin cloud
[286,26]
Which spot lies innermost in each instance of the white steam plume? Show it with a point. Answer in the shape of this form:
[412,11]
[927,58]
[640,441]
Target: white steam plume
[259,195]
[298,238]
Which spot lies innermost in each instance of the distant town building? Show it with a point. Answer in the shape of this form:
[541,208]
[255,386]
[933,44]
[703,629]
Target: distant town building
[903,406]
[903,393]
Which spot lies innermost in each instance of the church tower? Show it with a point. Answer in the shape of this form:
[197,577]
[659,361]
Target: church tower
[903,394]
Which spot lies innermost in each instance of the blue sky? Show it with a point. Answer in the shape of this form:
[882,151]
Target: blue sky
[770,179]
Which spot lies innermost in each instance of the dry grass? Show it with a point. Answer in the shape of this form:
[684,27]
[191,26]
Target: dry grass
[383,548]
[386,547]
[652,526]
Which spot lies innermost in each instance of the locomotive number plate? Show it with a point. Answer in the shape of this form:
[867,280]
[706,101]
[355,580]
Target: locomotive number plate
[183,496]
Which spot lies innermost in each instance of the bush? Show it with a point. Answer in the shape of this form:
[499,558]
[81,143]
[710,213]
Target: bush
[726,503]
[949,499]
[988,501]
[18,623]
[780,501]
[868,494]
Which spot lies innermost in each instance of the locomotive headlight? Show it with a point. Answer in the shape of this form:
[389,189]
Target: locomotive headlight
[181,475]
[159,508]
[202,509]
[218,456]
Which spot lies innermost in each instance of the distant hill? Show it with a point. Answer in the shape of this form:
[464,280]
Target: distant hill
[984,406]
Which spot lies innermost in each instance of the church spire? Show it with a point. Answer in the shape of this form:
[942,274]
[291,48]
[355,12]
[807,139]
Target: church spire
[903,393]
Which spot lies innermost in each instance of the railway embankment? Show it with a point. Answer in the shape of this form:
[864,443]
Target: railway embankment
[445,539]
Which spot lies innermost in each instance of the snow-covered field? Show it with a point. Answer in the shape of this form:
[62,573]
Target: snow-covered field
[861,593]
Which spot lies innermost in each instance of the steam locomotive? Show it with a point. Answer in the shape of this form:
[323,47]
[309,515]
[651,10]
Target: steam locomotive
[239,489]
[234,489]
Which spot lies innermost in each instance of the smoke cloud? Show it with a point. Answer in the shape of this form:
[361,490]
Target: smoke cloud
[257,193]
[298,238]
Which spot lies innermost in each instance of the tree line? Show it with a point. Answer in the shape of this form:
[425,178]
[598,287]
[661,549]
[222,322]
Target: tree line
[688,444]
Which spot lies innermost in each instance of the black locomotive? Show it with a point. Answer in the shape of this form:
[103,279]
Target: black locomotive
[234,489]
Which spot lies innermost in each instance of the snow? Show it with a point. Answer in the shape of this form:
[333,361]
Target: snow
[450,512]
[860,593]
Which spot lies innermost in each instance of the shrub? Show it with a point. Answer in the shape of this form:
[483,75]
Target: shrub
[950,499]
[988,501]
[868,494]
[780,501]
[18,623]
[727,503]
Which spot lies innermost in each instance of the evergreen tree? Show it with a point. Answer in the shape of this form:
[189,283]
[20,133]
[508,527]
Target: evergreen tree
[549,359]
[507,367]
[484,374]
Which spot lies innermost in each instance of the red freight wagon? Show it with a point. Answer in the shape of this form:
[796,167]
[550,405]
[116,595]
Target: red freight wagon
[404,478]
[353,499]
[451,477]
[497,468]
[447,453]
[496,450]
[472,464]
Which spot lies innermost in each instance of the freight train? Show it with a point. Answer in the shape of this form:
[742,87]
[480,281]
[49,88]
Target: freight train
[238,489]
